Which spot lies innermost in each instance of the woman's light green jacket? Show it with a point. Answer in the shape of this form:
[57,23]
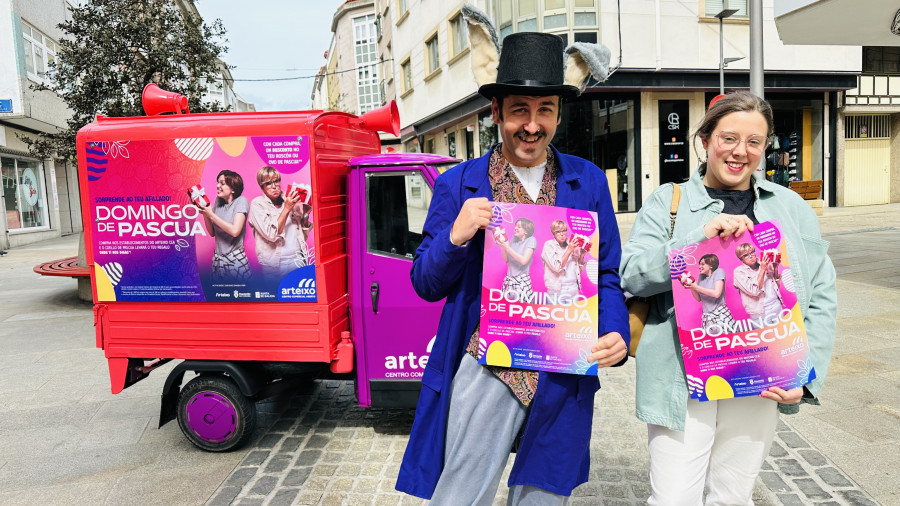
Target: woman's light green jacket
[662,392]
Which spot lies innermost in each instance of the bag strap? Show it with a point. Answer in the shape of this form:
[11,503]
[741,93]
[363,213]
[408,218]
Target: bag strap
[673,211]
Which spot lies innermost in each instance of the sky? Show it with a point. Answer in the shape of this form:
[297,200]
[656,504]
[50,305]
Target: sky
[274,39]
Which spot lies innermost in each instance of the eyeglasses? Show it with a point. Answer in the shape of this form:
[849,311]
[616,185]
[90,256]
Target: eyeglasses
[274,182]
[756,144]
[745,255]
[563,231]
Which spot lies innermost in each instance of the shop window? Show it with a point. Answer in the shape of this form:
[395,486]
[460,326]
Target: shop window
[713,7]
[585,19]
[23,190]
[554,4]
[451,144]
[881,60]
[487,132]
[39,52]
[607,133]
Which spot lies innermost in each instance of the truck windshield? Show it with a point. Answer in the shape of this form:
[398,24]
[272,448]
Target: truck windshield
[396,205]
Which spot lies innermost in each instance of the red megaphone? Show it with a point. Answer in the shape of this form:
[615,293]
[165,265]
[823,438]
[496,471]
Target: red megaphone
[384,119]
[157,101]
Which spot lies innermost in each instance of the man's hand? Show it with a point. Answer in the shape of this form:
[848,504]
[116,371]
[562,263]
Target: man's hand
[476,213]
[776,394]
[609,350]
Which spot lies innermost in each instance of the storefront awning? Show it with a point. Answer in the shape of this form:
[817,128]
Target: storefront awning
[675,80]
[837,22]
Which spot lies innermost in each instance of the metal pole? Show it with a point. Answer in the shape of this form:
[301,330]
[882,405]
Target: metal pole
[756,49]
[721,59]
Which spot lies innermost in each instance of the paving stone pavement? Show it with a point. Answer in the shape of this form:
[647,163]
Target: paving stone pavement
[325,450]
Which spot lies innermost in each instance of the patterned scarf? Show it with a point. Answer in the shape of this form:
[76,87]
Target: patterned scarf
[506,187]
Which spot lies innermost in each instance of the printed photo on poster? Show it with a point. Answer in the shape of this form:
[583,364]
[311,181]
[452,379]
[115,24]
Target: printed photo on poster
[738,317]
[203,219]
[539,289]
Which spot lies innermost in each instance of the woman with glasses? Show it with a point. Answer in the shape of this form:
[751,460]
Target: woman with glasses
[226,220]
[720,445]
[709,290]
[281,225]
[759,283]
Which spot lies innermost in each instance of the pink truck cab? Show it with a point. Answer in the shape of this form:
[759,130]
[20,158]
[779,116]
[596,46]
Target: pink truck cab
[250,308]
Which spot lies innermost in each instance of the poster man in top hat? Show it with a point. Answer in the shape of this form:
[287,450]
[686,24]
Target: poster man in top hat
[469,415]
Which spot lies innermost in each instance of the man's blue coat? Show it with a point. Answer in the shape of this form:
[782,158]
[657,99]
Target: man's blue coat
[554,452]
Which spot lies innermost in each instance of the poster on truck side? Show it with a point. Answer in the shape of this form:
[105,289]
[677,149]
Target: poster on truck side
[202,219]
[739,321]
[539,294]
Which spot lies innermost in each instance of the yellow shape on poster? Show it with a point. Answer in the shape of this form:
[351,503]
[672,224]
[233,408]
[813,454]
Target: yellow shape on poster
[498,354]
[717,388]
[232,146]
[105,290]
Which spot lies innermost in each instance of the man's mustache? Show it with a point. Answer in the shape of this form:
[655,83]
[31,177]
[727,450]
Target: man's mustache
[523,133]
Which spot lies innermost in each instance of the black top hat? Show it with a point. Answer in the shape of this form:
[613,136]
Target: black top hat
[531,64]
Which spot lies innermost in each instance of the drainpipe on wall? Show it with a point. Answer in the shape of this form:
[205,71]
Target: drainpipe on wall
[658,41]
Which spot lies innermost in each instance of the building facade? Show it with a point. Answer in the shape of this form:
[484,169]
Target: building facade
[637,125]
[40,197]
[868,115]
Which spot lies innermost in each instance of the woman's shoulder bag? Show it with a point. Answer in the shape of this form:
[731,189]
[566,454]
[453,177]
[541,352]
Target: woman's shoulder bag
[639,307]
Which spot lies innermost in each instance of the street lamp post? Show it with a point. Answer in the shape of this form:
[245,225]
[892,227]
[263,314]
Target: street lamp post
[724,13]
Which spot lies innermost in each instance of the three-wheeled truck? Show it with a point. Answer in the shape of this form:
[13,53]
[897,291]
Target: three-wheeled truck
[345,304]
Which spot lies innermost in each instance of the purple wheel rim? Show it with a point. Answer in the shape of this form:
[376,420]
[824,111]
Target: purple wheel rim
[211,417]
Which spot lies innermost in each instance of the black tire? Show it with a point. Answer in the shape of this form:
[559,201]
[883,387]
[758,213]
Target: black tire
[214,415]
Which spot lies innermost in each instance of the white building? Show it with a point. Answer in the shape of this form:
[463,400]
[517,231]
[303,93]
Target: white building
[868,119]
[40,197]
[636,125]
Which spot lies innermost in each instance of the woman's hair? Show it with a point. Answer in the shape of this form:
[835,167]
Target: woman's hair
[233,180]
[711,260]
[742,249]
[265,173]
[528,225]
[737,101]
[556,224]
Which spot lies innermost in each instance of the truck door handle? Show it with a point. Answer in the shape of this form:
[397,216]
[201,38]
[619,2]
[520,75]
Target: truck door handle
[374,291]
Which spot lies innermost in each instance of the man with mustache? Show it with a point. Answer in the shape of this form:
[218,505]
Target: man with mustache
[469,416]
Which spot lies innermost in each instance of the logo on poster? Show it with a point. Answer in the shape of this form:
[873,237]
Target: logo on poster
[299,285]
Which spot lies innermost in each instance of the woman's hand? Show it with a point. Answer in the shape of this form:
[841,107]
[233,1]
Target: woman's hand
[726,225]
[776,394]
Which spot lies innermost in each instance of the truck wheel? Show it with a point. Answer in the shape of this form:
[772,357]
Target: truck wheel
[214,414]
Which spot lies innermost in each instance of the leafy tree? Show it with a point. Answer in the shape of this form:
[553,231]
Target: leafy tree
[113,48]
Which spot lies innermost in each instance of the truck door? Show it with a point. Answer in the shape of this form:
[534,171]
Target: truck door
[398,325]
